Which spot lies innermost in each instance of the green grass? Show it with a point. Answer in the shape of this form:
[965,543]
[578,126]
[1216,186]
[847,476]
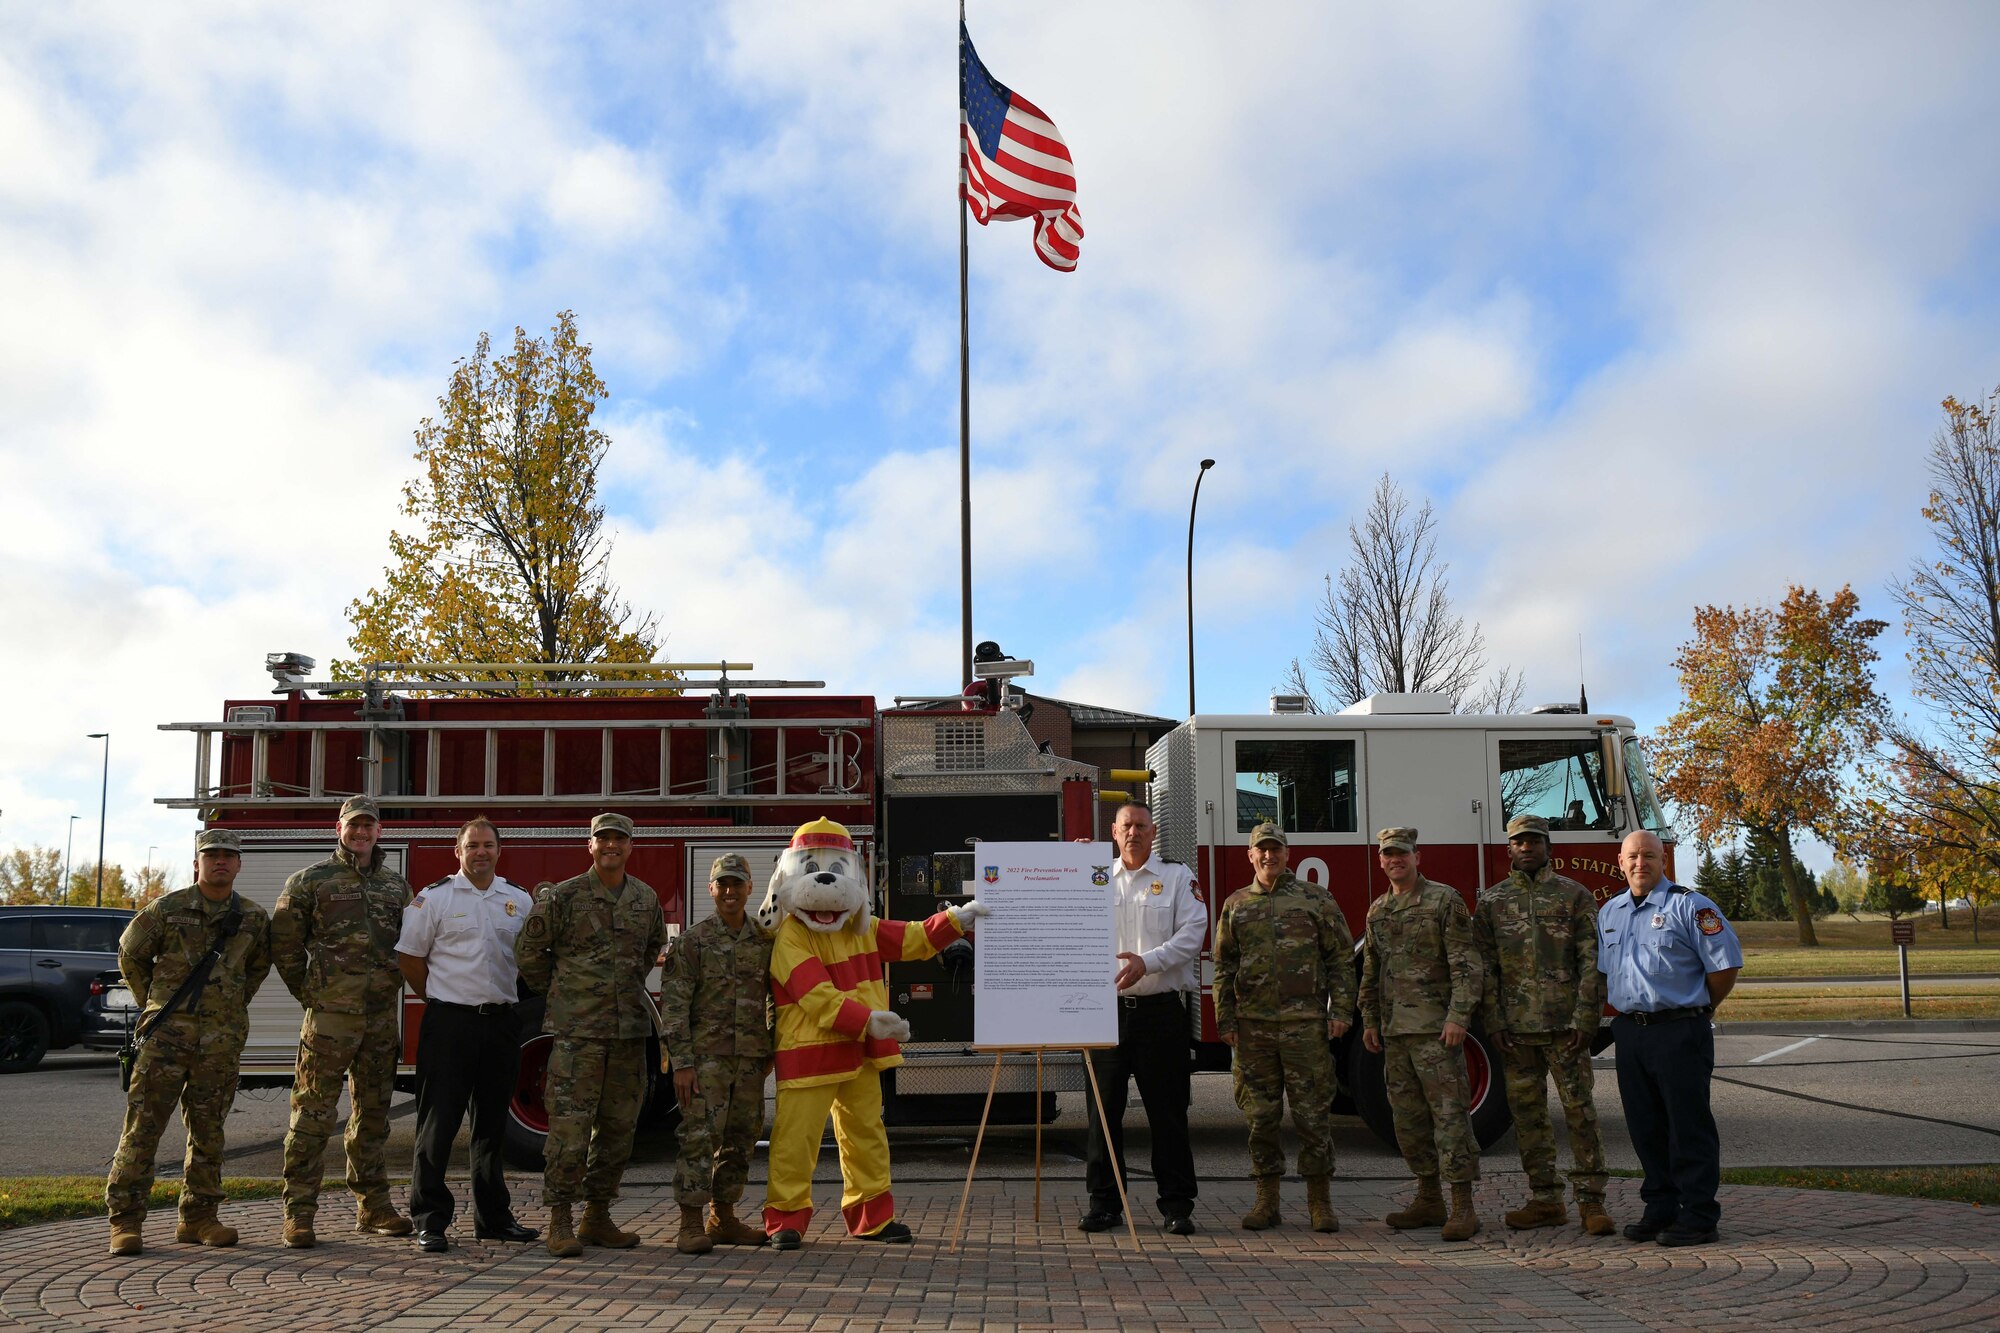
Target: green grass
[1979,1185]
[1861,948]
[26,1200]
[1834,1004]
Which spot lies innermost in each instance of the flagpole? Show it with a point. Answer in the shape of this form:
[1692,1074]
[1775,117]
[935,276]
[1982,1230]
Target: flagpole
[964,401]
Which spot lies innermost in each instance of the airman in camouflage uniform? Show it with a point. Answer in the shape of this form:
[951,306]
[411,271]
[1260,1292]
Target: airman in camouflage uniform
[1537,935]
[588,945]
[333,938]
[1420,978]
[192,1055]
[1284,985]
[716,1020]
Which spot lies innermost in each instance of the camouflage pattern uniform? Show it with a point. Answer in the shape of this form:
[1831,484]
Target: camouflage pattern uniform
[333,938]
[1284,965]
[715,1010]
[589,949]
[191,1057]
[1420,970]
[1537,937]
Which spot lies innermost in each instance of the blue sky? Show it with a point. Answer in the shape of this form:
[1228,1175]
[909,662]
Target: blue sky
[1655,302]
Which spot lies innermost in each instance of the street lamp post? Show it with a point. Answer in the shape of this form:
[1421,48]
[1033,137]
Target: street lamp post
[69,845]
[104,794]
[1206,464]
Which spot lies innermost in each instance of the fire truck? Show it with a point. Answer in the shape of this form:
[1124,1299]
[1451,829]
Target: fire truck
[1330,780]
[707,762]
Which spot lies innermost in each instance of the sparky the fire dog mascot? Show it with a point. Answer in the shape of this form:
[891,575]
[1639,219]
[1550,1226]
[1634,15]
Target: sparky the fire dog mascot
[836,1032]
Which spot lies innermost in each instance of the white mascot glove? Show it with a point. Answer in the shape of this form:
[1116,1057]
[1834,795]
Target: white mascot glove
[886,1023]
[968,912]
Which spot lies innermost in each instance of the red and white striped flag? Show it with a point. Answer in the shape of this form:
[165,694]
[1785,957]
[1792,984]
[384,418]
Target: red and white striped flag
[1014,163]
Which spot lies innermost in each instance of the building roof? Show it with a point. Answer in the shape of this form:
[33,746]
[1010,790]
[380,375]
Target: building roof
[1095,715]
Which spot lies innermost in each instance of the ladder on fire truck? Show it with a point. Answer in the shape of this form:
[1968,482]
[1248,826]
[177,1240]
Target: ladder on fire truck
[379,720]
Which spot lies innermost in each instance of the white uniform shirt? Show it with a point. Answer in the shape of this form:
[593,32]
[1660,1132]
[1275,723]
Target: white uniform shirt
[1162,919]
[467,934]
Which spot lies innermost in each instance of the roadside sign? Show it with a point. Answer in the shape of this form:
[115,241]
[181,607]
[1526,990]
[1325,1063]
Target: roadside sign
[1902,932]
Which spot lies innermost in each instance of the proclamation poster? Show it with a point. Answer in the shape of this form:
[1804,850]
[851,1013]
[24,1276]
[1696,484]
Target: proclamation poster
[1045,960]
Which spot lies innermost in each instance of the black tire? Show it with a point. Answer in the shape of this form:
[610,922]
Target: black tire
[1490,1117]
[527,1112]
[24,1036]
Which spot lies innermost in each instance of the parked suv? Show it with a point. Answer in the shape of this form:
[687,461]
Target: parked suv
[50,959]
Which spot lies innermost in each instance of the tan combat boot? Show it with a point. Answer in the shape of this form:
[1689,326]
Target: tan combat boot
[1538,1213]
[1463,1224]
[599,1229]
[1426,1208]
[1263,1214]
[126,1237]
[1596,1222]
[299,1233]
[693,1237]
[725,1228]
[203,1229]
[1320,1204]
[563,1243]
[380,1217]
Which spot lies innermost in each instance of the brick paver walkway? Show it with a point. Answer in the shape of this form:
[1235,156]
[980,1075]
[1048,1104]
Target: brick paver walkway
[1788,1259]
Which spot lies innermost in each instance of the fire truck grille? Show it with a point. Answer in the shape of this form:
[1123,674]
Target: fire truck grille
[950,754]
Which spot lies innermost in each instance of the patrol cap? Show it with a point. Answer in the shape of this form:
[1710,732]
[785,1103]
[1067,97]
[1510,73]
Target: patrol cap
[730,865]
[1268,832]
[610,823]
[1523,826]
[219,840]
[1396,840]
[359,805]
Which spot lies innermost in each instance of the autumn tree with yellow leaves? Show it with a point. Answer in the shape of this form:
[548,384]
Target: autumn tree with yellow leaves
[1938,803]
[507,557]
[1778,709]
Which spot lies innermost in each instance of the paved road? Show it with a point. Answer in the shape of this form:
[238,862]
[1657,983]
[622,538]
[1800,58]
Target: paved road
[1834,1095]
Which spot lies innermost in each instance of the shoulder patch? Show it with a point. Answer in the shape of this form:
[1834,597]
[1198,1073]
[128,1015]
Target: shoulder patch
[1194,887]
[1708,921]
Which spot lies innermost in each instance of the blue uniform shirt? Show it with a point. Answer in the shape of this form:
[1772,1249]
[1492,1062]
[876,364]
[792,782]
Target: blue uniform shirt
[1657,953]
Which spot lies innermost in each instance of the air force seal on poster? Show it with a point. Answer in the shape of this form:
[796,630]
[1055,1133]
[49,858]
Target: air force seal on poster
[993,874]
[1100,875]
[1708,921]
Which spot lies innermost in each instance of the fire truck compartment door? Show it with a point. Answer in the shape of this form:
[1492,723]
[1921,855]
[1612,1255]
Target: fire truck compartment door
[275,1016]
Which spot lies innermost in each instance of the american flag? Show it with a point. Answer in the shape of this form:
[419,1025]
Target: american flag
[1014,161]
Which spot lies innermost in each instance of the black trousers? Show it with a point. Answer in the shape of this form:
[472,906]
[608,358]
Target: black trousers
[1153,1049]
[1663,1075]
[464,1058]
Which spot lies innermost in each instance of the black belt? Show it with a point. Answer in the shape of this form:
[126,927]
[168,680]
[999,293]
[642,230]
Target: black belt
[1146,1001]
[483,1010]
[1670,1015]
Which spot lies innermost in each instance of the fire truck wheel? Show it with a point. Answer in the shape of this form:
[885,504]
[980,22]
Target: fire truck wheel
[1490,1116]
[24,1036]
[527,1114]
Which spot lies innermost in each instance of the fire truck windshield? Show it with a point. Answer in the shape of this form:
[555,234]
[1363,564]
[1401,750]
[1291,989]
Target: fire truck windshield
[1639,782]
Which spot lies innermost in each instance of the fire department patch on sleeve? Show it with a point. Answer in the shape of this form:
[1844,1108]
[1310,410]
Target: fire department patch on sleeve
[1709,921]
[1194,887]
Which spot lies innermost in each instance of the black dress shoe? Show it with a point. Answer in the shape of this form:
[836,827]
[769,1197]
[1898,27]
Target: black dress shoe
[1101,1219]
[1644,1230]
[1687,1236]
[787,1239]
[432,1242]
[509,1230]
[893,1234]
[1180,1226]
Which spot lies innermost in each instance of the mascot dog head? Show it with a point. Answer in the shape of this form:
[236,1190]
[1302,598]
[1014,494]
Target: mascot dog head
[819,881]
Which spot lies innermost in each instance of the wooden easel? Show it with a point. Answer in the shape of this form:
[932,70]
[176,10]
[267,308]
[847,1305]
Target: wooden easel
[1104,1127]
